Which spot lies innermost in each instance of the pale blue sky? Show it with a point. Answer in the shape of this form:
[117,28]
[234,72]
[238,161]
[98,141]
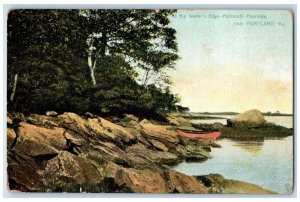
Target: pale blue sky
[229,67]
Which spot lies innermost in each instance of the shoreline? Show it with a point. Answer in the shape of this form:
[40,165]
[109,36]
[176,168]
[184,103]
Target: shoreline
[120,156]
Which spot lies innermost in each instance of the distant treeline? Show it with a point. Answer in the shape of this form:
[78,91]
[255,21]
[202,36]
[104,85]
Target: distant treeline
[236,113]
[101,61]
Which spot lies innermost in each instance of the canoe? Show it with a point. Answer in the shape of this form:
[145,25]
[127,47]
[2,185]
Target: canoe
[199,134]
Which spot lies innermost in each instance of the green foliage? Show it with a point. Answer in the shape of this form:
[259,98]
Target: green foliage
[48,50]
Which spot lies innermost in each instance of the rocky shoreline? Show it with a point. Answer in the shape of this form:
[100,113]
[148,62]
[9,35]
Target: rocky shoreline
[72,153]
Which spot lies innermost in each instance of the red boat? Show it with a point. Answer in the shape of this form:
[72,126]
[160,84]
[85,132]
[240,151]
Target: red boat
[199,134]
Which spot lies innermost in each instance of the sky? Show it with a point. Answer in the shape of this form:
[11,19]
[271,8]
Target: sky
[234,60]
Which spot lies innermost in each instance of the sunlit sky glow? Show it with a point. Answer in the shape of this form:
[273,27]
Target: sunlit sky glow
[227,67]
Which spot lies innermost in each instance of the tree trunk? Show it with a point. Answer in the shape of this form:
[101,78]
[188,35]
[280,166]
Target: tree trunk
[14,88]
[146,77]
[92,68]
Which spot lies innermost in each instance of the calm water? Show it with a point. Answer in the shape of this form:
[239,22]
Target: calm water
[267,163]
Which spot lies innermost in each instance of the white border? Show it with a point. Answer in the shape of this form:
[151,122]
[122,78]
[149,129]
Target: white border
[138,4]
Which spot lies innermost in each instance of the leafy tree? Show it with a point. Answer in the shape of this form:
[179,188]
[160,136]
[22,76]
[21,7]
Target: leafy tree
[48,52]
[141,38]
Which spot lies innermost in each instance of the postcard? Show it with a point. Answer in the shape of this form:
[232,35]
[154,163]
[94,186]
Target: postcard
[150,101]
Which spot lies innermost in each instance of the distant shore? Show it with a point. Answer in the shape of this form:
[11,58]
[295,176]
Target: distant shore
[217,115]
[236,113]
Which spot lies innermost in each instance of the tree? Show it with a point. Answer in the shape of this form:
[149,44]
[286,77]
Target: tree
[48,50]
[141,38]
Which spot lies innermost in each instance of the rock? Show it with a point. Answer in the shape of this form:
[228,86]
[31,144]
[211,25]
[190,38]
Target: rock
[53,137]
[217,126]
[130,117]
[74,139]
[11,136]
[23,173]
[43,121]
[141,181]
[177,121]
[193,149]
[251,118]
[217,184]
[51,113]
[257,133]
[90,115]
[157,157]
[35,149]
[182,183]
[192,153]
[158,145]
[118,131]
[137,161]
[96,129]
[209,127]
[69,165]
[106,151]
[8,120]
[72,153]
[160,133]
[78,125]
[110,170]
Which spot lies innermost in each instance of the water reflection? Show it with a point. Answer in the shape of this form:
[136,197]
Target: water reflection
[265,162]
[252,147]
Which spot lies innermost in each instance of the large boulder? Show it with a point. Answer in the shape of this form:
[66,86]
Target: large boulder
[141,181]
[251,118]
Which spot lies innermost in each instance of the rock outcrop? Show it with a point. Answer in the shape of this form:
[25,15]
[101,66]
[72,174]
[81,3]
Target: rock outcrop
[72,153]
[218,184]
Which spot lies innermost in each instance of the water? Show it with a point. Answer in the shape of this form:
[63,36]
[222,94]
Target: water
[268,163]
